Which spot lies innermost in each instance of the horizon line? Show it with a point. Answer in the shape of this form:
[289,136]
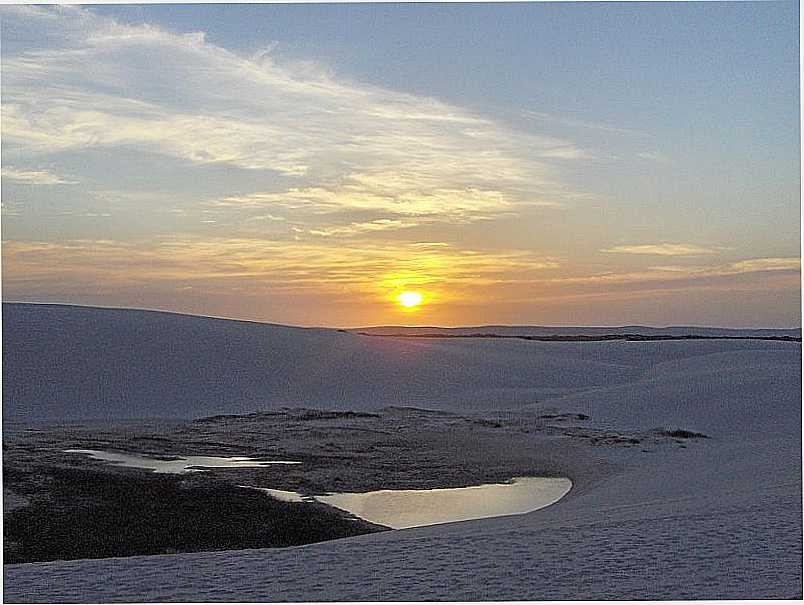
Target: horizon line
[380,326]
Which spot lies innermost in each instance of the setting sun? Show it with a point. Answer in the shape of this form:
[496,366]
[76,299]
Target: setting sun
[409,299]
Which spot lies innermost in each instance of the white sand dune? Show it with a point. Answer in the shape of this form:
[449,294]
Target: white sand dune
[66,362]
[721,518]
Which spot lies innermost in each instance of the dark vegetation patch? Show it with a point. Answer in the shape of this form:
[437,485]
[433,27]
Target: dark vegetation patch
[495,424]
[414,411]
[628,439]
[300,414]
[682,434]
[614,439]
[564,416]
[94,514]
[305,414]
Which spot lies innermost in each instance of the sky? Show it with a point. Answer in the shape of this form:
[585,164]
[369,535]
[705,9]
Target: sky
[527,163]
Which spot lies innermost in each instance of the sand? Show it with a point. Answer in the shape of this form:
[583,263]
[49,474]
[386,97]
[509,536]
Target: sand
[698,519]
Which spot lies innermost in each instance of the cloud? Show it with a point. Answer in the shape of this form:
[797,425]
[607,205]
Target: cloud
[344,144]
[674,273]
[663,249]
[34,177]
[576,123]
[191,273]
[371,268]
[653,156]
[383,224]
[767,264]
[360,193]
[429,245]
[10,209]
[266,217]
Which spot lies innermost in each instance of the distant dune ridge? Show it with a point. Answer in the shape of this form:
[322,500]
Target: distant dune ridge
[675,331]
[70,362]
[713,518]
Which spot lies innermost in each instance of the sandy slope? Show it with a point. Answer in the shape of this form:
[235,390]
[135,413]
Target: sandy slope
[63,362]
[718,519]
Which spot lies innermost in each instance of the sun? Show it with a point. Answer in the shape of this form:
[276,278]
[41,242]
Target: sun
[409,299]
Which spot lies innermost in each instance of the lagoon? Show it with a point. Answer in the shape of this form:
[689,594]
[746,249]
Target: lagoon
[186,464]
[399,509]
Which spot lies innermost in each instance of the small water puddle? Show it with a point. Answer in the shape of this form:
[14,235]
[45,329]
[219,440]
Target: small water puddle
[186,464]
[399,509]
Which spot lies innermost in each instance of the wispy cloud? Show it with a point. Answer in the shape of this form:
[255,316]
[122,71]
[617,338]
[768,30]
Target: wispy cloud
[347,144]
[383,224]
[360,193]
[767,264]
[191,271]
[674,272]
[10,209]
[265,217]
[653,156]
[550,118]
[663,249]
[34,177]
[371,267]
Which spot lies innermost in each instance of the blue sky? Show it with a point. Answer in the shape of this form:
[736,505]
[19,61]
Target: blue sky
[554,163]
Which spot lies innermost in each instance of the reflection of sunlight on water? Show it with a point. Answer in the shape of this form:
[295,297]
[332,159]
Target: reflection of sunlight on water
[186,464]
[399,509]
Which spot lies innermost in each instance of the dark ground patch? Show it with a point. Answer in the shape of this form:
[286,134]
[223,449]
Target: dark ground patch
[683,434]
[92,514]
[67,506]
